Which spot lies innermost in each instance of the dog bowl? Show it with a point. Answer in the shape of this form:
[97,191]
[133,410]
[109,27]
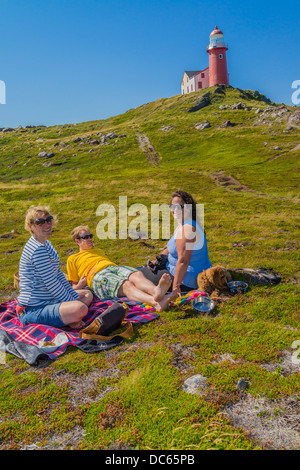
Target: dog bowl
[237,286]
[203,304]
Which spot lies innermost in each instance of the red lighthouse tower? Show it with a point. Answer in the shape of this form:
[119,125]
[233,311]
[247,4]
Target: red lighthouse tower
[216,49]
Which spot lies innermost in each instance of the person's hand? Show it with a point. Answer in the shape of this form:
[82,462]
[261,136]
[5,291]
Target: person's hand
[177,290]
[81,283]
[81,294]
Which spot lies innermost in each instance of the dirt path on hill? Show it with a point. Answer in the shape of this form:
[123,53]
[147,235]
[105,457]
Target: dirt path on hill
[232,184]
[146,146]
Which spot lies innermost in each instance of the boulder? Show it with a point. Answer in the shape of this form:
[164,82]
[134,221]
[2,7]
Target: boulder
[111,135]
[195,384]
[202,125]
[237,106]
[220,89]
[165,128]
[227,124]
[242,384]
[203,101]
[46,155]
[294,119]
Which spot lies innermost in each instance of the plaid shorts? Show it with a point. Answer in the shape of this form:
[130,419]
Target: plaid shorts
[107,282]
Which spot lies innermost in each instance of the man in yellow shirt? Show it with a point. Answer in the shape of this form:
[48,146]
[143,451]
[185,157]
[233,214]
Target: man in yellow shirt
[91,267]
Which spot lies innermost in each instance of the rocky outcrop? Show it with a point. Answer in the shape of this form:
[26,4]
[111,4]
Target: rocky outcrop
[202,125]
[46,154]
[202,102]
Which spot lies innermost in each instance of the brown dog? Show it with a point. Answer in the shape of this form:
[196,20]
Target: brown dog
[213,280]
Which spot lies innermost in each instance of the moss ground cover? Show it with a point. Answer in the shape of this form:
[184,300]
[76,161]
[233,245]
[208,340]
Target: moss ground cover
[132,397]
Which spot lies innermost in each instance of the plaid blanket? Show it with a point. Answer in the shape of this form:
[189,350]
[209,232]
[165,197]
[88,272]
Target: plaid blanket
[35,342]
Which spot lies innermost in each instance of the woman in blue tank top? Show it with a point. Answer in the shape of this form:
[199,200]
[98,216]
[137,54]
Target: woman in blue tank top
[187,249]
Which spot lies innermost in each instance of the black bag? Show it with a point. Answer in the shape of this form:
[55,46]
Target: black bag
[109,320]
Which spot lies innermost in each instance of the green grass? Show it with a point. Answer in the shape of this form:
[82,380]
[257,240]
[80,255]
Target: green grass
[131,397]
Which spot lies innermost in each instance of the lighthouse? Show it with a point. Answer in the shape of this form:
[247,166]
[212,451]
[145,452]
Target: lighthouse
[216,73]
[216,49]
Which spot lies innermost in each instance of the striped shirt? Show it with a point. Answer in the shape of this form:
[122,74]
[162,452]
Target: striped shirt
[41,279]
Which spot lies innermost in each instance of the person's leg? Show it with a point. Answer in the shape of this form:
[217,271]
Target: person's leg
[144,285]
[128,289]
[72,313]
[87,296]
[57,315]
[154,277]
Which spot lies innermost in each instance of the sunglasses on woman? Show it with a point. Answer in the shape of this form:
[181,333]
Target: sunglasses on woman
[42,221]
[86,237]
[173,207]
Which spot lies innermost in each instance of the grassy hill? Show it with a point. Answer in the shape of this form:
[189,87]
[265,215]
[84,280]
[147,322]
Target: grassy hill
[246,176]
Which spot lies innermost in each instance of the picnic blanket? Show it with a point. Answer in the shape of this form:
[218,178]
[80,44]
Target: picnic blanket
[35,343]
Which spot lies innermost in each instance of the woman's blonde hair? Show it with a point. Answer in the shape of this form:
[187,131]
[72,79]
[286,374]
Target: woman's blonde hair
[33,213]
[76,230]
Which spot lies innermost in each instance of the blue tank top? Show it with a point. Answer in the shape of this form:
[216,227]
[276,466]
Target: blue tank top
[199,260]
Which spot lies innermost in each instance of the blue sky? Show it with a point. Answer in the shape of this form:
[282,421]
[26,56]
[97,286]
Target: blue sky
[71,61]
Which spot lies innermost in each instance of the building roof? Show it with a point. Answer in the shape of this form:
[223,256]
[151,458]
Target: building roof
[190,74]
[216,31]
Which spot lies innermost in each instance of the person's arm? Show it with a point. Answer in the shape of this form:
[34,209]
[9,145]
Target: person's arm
[55,286]
[81,284]
[165,250]
[73,276]
[185,238]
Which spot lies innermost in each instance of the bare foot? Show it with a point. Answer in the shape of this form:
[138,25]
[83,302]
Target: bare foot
[162,288]
[164,303]
[76,325]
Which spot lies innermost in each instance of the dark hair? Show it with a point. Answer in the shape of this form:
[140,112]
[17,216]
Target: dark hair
[187,199]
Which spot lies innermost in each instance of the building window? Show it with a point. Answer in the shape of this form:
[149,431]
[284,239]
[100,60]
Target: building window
[202,74]
[191,87]
[199,85]
[188,89]
[220,56]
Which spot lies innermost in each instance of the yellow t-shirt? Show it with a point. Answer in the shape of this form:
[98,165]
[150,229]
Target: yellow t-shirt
[88,263]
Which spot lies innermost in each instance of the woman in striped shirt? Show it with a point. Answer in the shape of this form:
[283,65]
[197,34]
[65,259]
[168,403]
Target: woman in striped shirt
[46,296]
